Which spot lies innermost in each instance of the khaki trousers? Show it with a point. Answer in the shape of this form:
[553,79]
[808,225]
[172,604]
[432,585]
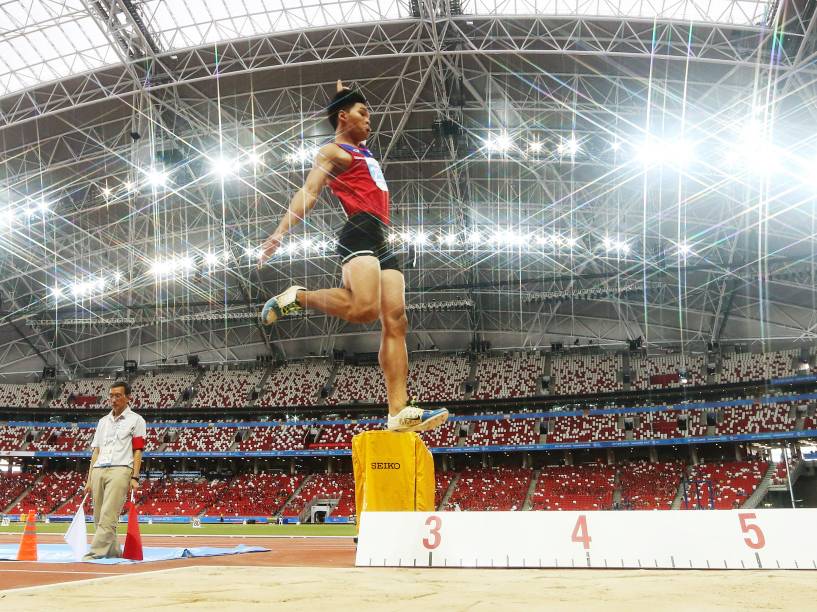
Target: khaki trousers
[109,490]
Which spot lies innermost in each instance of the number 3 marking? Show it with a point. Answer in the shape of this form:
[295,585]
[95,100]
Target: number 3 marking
[434,541]
[745,527]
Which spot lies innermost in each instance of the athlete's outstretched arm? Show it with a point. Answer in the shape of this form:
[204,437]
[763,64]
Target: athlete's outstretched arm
[322,171]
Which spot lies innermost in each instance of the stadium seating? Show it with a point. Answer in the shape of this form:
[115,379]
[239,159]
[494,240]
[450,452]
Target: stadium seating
[225,389]
[664,371]
[723,485]
[13,485]
[445,435]
[515,374]
[649,486]
[280,437]
[585,374]
[582,487]
[85,392]
[13,438]
[177,497]
[328,486]
[28,395]
[437,378]
[159,390]
[340,435]
[358,383]
[442,480]
[499,488]
[504,432]
[295,384]
[747,367]
[51,492]
[255,495]
[216,439]
[584,428]
[755,419]
[62,439]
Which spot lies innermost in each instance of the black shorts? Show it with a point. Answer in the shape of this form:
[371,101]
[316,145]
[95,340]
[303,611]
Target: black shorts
[365,234]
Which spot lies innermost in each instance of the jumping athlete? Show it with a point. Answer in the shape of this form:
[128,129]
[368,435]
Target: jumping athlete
[373,283]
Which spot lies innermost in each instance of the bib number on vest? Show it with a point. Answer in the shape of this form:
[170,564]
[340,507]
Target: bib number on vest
[376,173]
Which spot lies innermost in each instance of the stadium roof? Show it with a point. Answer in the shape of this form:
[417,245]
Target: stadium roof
[565,170]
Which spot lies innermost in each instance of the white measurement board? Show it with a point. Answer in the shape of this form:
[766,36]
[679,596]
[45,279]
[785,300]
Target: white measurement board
[702,539]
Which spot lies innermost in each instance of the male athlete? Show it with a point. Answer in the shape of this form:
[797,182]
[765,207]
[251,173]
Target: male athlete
[373,284]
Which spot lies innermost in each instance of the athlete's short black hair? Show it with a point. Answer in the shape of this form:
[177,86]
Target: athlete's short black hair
[343,101]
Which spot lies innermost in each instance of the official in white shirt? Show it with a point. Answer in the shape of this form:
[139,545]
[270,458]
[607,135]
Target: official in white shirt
[115,463]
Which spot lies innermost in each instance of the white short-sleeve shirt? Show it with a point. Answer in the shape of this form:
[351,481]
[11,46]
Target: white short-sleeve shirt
[117,438]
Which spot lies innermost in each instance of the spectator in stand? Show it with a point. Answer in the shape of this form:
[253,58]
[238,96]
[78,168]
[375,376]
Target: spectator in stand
[115,463]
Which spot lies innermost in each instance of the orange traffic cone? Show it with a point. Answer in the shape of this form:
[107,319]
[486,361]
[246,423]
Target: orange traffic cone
[28,545]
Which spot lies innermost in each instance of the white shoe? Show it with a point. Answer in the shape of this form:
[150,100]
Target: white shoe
[281,305]
[412,418]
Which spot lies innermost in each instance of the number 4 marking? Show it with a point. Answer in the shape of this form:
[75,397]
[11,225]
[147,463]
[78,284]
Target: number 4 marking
[760,540]
[580,533]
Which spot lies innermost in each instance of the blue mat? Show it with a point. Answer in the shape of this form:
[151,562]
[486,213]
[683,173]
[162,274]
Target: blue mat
[61,553]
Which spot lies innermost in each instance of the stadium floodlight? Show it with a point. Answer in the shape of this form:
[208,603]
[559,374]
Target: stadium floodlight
[106,191]
[211,259]
[684,250]
[393,237]
[128,186]
[498,143]
[568,146]
[43,205]
[671,152]
[475,237]
[255,158]
[302,155]
[615,146]
[448,239]
[56,292]
[306,244]
[156,177]
[224,167]
[405,236]
[421,237]
[535,146]
[117,276]
[542,239]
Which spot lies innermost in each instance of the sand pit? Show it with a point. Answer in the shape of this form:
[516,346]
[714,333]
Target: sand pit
[292,588]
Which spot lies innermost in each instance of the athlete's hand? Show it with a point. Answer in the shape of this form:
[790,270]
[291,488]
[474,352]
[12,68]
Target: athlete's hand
[339,86]
[271,244]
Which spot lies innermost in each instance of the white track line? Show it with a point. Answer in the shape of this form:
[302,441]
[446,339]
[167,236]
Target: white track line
[51,571]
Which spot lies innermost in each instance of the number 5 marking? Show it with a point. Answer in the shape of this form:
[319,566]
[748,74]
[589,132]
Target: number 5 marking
[745,527]
[580,533]
[435,522]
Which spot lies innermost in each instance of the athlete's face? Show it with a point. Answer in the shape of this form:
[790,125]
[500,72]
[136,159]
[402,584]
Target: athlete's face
[358,123]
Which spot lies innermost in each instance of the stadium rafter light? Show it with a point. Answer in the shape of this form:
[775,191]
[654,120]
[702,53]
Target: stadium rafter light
[43,205]
[306,245]
[56,292]
[211,259]
[568,146]
[475,237]
[304,154]
[405,236]
[224,167]
[393,237]
[255,158]
[449,239]
[535,146]
[421,237]
[117,276]
[128,186]
[156,177]
[684,250]
[571,241]
[106,192]
[615,146]
[498,143]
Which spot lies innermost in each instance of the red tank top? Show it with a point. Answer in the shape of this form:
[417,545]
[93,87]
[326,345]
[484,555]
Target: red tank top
[361,188]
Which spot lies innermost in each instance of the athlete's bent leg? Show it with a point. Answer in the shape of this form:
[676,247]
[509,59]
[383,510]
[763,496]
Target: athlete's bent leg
[393,355]
[358,301]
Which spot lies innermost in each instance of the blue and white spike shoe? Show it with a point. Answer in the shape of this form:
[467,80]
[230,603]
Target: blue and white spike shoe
[414,418]
[281,305]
